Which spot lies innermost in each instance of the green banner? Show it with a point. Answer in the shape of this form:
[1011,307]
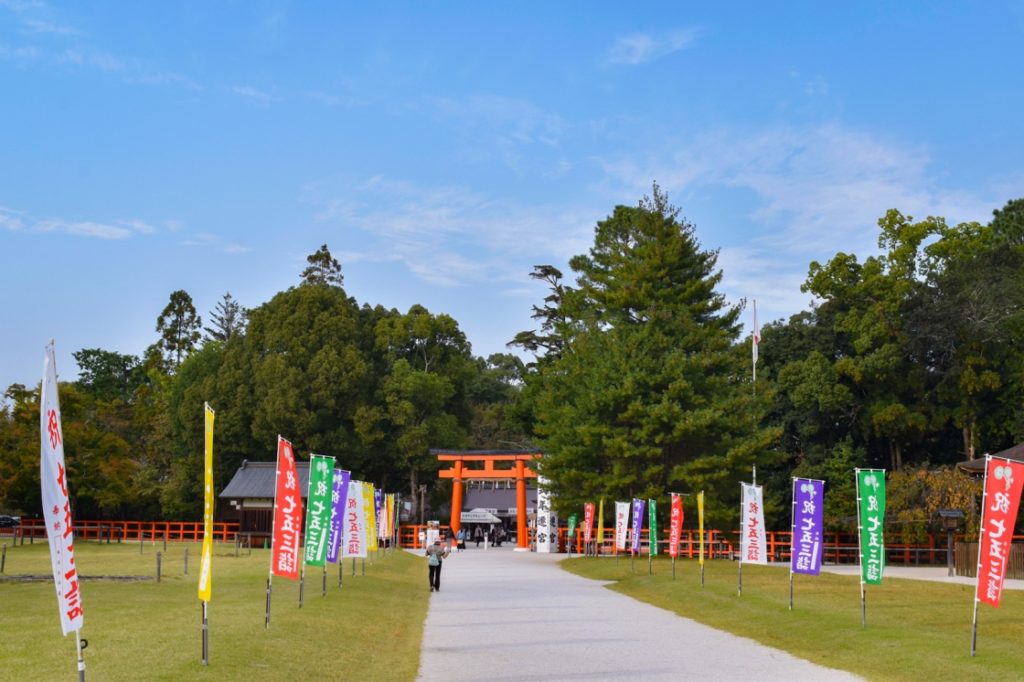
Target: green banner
[871,524]
[573,520]
[652,525]
[318,509]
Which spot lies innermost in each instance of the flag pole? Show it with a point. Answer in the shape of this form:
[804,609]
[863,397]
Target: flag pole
[206,635]
[860,555]
[977,570]
[80,645]
[755,339]
[792,543]
[323,592]
[270,587]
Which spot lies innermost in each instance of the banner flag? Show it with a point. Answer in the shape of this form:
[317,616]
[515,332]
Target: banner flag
[621,522]
[652,526]
[339,491]
[390,512]
[700,523]
[318,509]
[752,540]
[354,539]
[573,520]
[675,525]
[588,522]
[1004,479]
[206,558]
[871,526]
[600,522]
[378,505]
[287,514]
[56,506]
[638,523]
[808,519]
[371,520]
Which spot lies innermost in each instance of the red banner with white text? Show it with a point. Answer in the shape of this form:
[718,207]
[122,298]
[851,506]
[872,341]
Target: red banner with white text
[588,521]
[287,514]
[675,527]
[1004,480]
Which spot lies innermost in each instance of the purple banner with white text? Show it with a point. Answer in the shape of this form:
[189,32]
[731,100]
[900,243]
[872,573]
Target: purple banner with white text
[808,516]
[339,490]
[638,523]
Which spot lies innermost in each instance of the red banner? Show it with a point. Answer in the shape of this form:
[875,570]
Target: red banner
[588,521]
[287,514]
[675,528]
[1004,480]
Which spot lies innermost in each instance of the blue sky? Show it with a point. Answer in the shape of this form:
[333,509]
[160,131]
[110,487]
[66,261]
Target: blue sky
[442,150]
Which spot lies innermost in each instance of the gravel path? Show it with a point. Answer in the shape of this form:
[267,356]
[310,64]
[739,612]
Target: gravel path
[503,615]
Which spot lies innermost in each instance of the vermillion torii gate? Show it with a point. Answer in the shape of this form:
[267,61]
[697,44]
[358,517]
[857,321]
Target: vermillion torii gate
[458,473]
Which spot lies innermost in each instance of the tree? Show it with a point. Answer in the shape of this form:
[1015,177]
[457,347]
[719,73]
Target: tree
[228,320]
[323,269]
[106,374]
[649,394]
[179,327]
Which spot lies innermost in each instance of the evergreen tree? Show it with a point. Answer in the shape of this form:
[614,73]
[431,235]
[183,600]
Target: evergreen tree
[648,395]
[228,319]
[179,327]
[323,269]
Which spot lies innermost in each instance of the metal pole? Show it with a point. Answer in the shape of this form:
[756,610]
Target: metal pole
[974,629]
[80,646]
[791,590]
[863,606]
[158,555]
[186,561]
[363,562]
[341,570]
[324,593]
[353,566]
[206,636]
[673,568]
[3,559]
[739,587]
[949,551]
[302,584]
[270,587]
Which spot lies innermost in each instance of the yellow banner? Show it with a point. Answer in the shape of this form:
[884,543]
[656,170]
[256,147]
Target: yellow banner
[371,517]
[700,523]
[206,559]
[391,515]
[600,523]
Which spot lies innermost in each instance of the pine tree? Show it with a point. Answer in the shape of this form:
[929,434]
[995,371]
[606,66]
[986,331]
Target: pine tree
[179,327]
[323,269]
[228,319]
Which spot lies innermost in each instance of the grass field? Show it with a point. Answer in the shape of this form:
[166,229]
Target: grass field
[369,629]
[916,630]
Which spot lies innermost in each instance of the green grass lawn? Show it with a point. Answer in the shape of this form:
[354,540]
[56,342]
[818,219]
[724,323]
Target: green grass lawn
[916,630]
[369,629]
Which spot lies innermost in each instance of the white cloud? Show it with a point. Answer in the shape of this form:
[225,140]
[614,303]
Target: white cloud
[508,120]
[640,48]
[448,236]
[254,94]
[120,229]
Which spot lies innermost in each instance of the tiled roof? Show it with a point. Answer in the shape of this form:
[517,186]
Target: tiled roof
[256,479]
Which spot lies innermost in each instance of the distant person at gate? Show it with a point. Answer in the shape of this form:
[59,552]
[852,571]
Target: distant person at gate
[436,554]
[478,535]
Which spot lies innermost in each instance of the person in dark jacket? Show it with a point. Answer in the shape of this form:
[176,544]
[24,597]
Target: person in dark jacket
[436,554]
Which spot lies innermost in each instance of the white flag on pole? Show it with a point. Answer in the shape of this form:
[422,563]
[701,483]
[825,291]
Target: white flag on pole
[621,524]
[752,539]
[56,507]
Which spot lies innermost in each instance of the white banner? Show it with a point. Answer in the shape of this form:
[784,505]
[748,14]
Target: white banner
[752,542]
[56,508]
[547,521]
[621,524]
[353,539]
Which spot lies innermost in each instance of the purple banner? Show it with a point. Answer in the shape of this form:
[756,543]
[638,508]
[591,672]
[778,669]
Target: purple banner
[808,516]
[378,519]
[339,491]
[638,522]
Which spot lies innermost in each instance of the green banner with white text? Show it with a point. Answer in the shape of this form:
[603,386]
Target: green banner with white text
[871,504]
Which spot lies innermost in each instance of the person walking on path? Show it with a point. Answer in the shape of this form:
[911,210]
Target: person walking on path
[478,535]
[436,554]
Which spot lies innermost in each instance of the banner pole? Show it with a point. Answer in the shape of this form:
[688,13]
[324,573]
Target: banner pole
[860,551]
[673,568]
[363,564]
[302,584]
[206,635]
[974,630]
[324,591]
[739,586]
[270,587]
[791,590]
[650,561]
[81,657]
[863,606]
[341,570]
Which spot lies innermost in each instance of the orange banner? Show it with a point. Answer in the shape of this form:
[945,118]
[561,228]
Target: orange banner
[1004,479]
[287,514]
